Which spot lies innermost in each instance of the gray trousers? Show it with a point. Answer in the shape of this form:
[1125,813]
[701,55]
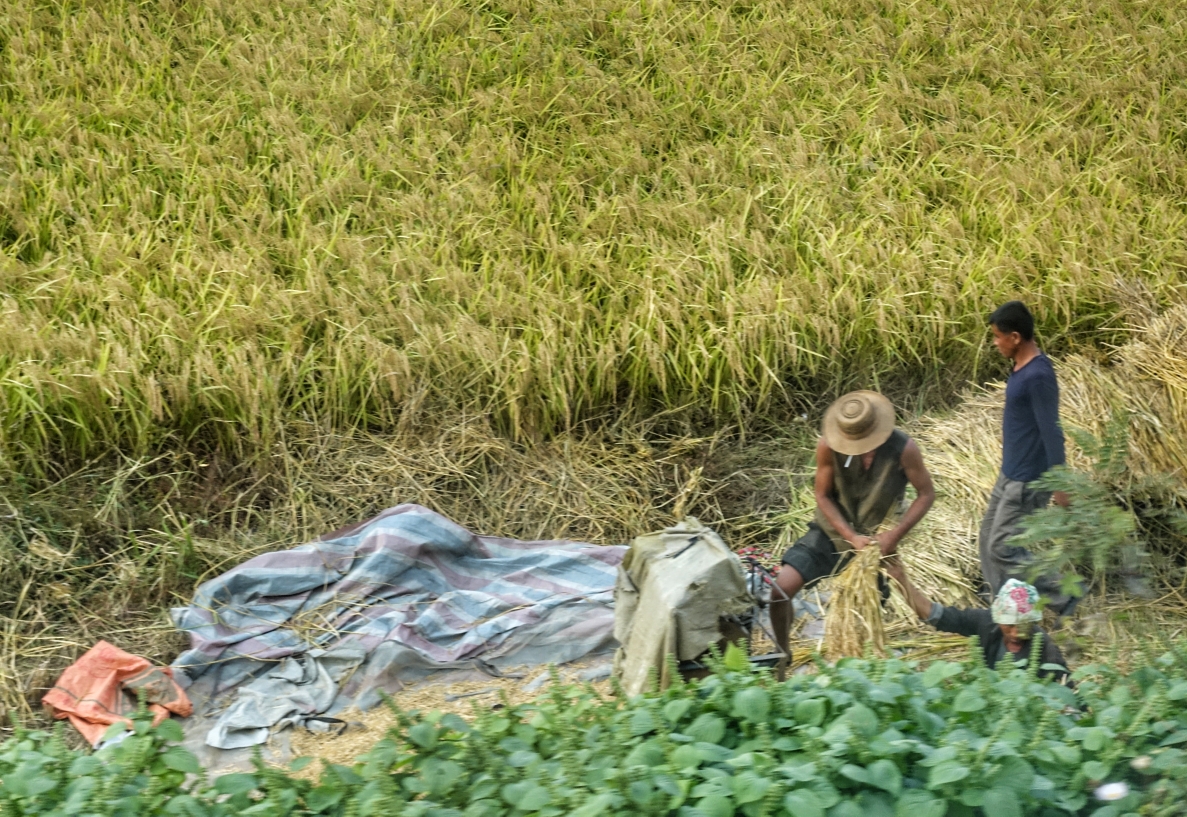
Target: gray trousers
[1000,561]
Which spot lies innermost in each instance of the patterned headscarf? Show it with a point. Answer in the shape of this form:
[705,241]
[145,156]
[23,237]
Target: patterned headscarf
[1016,604]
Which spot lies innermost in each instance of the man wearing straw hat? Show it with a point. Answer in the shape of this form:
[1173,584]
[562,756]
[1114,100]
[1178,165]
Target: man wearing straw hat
[863,466]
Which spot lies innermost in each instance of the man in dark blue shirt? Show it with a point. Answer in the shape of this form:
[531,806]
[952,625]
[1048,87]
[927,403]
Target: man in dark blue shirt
[1032,442]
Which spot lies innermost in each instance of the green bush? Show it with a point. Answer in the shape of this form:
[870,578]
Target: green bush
[869,738]
[1112,513]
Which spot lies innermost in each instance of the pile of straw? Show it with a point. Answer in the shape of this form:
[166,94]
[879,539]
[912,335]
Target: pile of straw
[1147,379]
[853,618]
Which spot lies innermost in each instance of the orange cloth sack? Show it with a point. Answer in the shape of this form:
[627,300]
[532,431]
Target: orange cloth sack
[101,688]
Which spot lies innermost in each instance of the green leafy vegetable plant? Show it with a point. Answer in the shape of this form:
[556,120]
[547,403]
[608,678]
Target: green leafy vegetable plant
[1101,529]
[862,738]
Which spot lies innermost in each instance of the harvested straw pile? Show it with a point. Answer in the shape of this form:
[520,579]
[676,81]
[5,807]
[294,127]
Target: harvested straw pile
[853,619]
[1148,381]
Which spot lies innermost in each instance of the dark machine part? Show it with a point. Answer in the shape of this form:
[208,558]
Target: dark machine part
[740,628]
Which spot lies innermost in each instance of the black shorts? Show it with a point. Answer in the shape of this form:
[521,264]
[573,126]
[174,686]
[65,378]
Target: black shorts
[815,557]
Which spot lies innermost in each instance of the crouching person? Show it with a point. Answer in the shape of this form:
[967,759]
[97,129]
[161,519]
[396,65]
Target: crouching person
[1006,630]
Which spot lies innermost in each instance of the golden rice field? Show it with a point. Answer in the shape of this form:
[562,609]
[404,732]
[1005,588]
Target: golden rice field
[219,217]
[554,269]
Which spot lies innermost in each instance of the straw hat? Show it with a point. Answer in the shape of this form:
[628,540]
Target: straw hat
[858,422]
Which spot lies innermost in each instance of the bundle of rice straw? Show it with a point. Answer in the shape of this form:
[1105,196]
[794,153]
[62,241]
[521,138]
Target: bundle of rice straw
[853,619]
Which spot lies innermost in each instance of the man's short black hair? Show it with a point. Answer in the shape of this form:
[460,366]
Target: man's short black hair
[1013,316]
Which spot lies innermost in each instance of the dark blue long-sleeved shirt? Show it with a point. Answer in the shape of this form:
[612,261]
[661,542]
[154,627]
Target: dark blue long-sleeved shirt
[1032,440]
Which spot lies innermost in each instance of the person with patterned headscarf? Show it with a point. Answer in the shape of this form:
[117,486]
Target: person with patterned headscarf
[1007,629]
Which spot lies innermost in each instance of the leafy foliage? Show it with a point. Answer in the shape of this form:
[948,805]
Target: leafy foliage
[871,738]
[1101,529]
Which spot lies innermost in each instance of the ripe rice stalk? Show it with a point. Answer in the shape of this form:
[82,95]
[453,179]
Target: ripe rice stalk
[853,618]
[379,210]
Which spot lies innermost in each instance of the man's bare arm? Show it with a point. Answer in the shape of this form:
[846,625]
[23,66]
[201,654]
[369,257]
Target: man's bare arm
[829,509]
[925,495]
[918,600]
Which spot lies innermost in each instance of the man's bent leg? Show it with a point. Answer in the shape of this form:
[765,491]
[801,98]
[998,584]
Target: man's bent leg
[812,557]
[787,584]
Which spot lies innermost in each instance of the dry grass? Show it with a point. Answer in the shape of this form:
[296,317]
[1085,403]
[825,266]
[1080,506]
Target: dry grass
[104,553]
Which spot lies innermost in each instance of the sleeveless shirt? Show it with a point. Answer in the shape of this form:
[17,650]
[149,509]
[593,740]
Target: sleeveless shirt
[866,497]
